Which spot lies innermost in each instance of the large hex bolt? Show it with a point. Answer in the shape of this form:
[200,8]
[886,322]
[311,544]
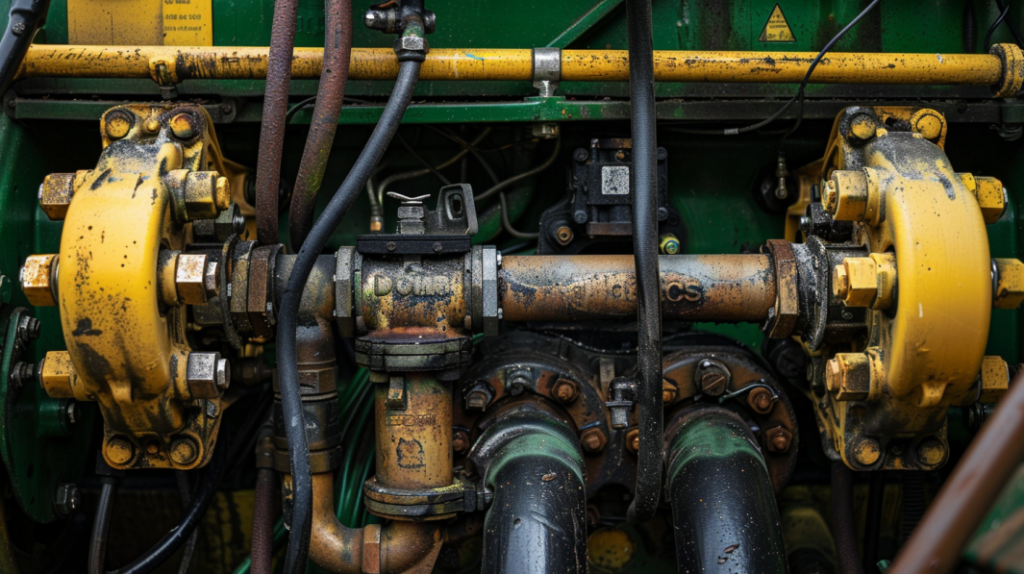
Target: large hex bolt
[190,278]
[1007,283]
[65,499]
[851,195]
[850,377]
[866,281]
[778,439]
[593,440]
[479,396]
[518,381]
[207,374]
[712,377]
[55,194]
[39,280]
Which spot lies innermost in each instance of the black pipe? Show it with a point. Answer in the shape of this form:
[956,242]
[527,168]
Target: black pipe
[536,523]
[723,507]
[844,521]
[101,525]
[24,19]
[644,183]
[288,376]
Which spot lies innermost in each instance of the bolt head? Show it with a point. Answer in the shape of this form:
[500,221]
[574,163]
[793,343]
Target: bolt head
[668,391]
[866,451]
[460,441]
[633,440]
[65,499]
[929,126]
[861,281]
[862,127]
[18,28]
[119,451]
[190,278]
[840,282]
[205,374]
[55,195]
[829,196]
[778,439]
[183,126]
[565,391]
[593,440]
[1009,283]
[760,400]
[184,451]
[37,278]
[931,452]
[564,235]
[848,376]
[118,123]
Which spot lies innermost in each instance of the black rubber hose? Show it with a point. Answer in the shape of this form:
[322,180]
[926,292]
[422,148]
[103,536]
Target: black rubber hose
[101,525]
[174,539]
[287,368]
[844,521]
[724,513]
[537,521]
[644,181]
[24,19]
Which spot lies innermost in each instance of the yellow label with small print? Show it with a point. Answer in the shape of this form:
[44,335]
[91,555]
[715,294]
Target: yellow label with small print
[140,22]
[777,29]
[188,22]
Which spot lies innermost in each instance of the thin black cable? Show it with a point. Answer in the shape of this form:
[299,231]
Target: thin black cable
[531,172]
[644,182]
[185,492]
[426,164]
[288,376]
[798,97]
[101,525]
[1009,24]
[174,539]
[988,35]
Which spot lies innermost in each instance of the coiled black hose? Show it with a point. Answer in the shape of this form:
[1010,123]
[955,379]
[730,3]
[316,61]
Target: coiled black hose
[174,539]
[644,181]
[288,375]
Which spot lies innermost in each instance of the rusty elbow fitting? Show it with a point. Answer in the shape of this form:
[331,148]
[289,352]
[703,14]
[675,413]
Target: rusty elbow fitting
[332,545]
[409,547]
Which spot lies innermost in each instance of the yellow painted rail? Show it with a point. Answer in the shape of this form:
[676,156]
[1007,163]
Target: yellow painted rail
[171,64]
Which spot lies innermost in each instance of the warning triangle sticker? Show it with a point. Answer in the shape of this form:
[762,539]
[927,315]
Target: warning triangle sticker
[777,28]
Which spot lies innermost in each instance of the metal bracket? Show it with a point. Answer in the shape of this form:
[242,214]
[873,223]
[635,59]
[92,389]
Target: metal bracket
[547,70]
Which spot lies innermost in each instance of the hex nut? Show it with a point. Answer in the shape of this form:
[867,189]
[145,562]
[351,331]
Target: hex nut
[55,195]
[848,376]
[190,278]
[57,375]
[593,440]
[862,127]
[411,43]
[861,281]
[479,396]
[995,379]
[230,221]
[39,280]
[851,195]
[829,196]
[991,196]
[201,195]
[565,390]
[633,440]
[760,400]
[778,439]
[207,374]
[65,499]
[1009,283]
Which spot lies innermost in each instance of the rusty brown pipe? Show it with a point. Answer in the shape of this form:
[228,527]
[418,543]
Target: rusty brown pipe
[263,523]
[724,288]
[397,547]
[969,492]
[329,96]
[275,110]
[844,520]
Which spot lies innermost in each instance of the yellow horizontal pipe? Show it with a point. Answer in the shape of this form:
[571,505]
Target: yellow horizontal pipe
[182,63]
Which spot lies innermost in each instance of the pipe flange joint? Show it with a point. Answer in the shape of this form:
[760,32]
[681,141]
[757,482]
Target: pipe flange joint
[485,312]
[347,261]
[547,70]
[782,317]
[1013,70]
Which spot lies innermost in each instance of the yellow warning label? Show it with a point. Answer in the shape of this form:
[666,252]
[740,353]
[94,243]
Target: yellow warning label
[777,28]
[141,22]
[188,22]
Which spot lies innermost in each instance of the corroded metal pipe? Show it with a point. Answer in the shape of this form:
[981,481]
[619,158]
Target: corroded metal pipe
[183,63]
[329,96]
[722,288]
[969,492]
[275,111]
